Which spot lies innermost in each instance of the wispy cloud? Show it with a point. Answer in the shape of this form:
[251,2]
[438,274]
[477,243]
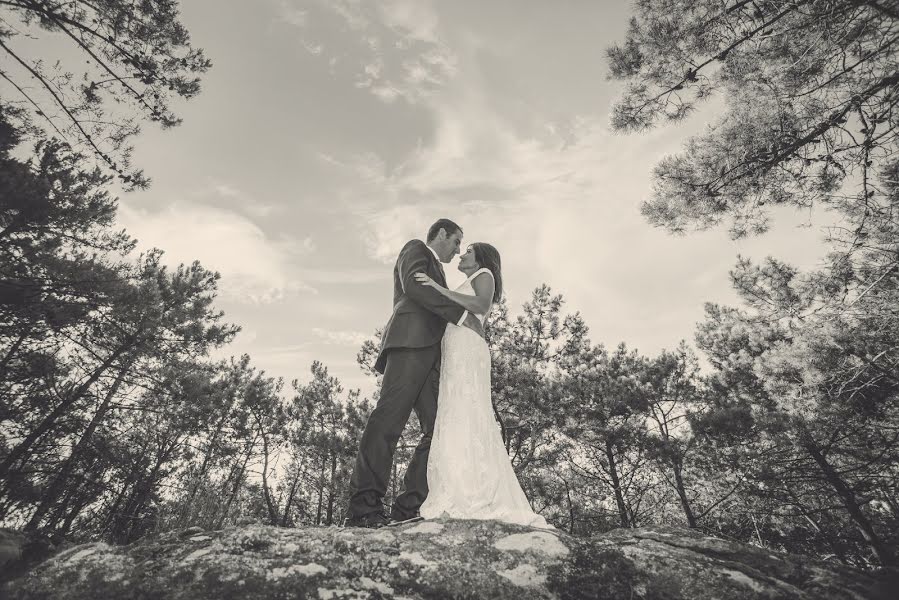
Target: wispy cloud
[412,19]
[290,14]
[399,51]
[343,338]
[344,275]
[223,189]
[254,267]
[478,163]
[229,196]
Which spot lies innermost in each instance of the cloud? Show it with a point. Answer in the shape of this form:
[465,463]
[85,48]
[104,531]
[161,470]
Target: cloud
[288,13]
[394,47]
[347,276]
[223,189]
[386,230]
[411,19]
[479,168]
[315,49]
[342,338]
[475,146]
[229,196]
[352,12]
[254,267]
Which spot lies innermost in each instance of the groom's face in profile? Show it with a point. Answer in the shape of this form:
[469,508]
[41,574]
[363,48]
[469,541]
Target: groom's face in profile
[448,245]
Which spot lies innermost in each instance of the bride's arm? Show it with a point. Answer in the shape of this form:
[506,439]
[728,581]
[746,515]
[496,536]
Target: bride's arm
[478,304]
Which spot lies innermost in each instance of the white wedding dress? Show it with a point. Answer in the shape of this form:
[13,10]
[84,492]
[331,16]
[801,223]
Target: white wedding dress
[470,475]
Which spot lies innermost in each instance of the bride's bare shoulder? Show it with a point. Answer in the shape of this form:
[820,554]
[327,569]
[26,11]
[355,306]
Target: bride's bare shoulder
[482,282]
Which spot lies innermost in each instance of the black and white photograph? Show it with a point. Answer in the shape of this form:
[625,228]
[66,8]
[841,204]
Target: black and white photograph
[423,299]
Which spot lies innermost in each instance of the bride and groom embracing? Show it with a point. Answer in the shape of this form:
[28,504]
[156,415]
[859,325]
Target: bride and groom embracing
[436,362]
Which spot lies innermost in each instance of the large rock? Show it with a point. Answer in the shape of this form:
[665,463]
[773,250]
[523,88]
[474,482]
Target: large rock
[437,559]
[19,552]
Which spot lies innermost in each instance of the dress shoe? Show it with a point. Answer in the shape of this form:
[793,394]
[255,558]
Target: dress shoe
[402,520]
[373,520]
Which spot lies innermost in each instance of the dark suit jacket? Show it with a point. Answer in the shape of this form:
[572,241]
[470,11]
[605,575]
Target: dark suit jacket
[420,313]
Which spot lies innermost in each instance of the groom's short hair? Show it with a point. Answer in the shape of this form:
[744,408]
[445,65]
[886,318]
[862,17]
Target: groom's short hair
[445,224]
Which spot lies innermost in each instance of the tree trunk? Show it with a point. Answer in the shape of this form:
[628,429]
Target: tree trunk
[69,498]
[570,508]
[144,488]
[502,428]
[112,513]
[285,520]
[237,483]
[207,457]
[73,514]
[50,420]
[306,483]
[834,544]
[524,462]
[321,493]
[14,348]
[233,470]
[682,494]
[331,494]
[850,502]
[59,482]
[272,511]
[616,485]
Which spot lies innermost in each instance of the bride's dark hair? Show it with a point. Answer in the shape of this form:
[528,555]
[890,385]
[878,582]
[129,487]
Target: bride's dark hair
[488,257]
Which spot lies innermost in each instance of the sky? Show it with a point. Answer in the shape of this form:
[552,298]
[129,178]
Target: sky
[328,133]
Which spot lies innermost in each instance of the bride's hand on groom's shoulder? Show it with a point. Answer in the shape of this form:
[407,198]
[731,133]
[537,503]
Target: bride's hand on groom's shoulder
[424,279]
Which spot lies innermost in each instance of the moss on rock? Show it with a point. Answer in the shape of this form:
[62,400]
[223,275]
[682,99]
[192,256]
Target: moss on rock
[434,559]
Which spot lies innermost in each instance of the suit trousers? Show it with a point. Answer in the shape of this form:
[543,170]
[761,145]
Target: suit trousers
[411,382]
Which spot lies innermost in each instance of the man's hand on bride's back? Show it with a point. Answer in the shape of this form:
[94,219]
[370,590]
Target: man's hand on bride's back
[474,323]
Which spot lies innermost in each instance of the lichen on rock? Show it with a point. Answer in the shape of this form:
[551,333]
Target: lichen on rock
[437,559]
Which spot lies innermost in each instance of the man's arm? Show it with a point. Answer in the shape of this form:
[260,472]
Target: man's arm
[413,259]
[479,303]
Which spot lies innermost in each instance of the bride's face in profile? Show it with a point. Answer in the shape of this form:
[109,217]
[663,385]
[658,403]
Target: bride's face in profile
[467,261]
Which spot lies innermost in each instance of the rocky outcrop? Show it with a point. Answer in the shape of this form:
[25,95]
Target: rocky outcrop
[19,552]
[438,559]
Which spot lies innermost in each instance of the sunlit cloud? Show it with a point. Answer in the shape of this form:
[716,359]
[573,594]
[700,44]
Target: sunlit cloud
[254,267]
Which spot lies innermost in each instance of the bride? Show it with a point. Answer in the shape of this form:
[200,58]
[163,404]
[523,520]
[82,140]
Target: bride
[470,475]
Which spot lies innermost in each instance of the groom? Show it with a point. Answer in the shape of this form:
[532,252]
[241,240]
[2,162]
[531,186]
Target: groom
[410,362]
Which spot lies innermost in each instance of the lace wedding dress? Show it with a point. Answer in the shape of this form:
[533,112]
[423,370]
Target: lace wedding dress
[470,475]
